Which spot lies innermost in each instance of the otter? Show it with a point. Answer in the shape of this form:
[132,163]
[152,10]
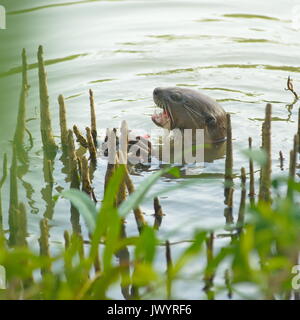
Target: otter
[186,109]
[189,109]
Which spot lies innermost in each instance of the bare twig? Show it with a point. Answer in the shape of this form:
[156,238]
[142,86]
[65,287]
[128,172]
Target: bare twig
[290,87]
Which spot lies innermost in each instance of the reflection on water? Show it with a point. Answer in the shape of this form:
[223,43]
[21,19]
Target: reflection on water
[240,53]
[47,62]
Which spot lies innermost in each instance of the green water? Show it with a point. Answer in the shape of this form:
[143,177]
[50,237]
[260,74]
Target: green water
[239,52]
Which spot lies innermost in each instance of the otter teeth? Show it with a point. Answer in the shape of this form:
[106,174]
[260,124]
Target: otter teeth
[162,119]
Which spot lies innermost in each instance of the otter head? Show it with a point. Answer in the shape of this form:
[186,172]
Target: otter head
[190,109]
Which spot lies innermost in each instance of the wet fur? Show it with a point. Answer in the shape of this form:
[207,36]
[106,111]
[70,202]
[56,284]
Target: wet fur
[190,109]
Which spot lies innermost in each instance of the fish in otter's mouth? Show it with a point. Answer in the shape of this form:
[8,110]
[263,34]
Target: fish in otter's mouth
[189,109]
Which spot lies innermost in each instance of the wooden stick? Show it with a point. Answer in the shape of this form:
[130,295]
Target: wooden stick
[241,215]
[228,160]
[228,209]
[251,170]
[93,118]
[228,284]
[44,243]
[80,138]
[67,239]
[21,233]
[24,70]
[46,128]
[75,177]
[91,145]
[13,200]
[63,122]
[293,164]
[21,120]
[209,274]
[85,177]
[158,214]
[290,87]
[138,213]
[169,269]
[265,183]
[281,160]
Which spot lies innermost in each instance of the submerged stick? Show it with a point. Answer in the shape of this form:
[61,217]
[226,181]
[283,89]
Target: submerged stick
[46,128]
[111,167]
[93,118]
[80,138]
[228,283]
[169,270]
[21,233]
[266,169]
[75,181]
[97,263]
[281,160]
[138,213]
[63,122]
[158,214]
[296,144]
[79,239]
[124,262]
[241,215]
[44,243]
[49,173]
[85,177]
[293,164]
[47,191]
[122,191]
[67,239]
[228,160]
[209,273]
[228,209]
[13,200]
[292,167]
[251,171]
[122,160]
[2,181]
[111,164]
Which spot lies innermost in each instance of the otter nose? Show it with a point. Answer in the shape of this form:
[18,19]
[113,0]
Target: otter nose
[157,92]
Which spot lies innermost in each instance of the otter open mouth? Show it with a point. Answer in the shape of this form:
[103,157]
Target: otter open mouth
[162,119]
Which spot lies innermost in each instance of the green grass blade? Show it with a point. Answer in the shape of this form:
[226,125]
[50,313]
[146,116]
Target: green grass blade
[84,205]
[137,197]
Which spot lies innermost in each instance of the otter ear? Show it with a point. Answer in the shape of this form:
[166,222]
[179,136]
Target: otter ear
[211,121]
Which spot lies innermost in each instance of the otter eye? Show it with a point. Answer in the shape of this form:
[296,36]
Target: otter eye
[210,121]
[176,96]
